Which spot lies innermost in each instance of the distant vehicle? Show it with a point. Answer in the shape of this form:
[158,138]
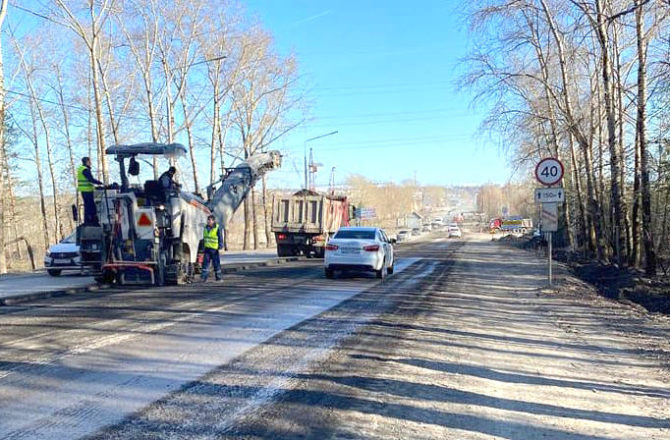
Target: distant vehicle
[416,231]
[455,232]
[437,225]
[426,228]
[63,256]
[437,220]
[305,221]
[516,224]
[495,224]
[360,249]
[404,235]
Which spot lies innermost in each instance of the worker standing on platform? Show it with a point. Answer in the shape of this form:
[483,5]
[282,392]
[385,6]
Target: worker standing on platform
[85,185]
[213,242]
[166,179]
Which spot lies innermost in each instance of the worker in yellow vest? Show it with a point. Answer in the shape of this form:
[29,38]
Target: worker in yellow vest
[213,242]
[85,185]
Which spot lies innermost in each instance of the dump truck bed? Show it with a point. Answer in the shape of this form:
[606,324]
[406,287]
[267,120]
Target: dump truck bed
[308,212]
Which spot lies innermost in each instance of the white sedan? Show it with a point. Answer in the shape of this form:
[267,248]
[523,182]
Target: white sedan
[359,249]
[63,256]
[455,231]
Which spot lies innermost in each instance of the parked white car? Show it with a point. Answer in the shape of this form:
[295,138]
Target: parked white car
[404,235]
[360,249]
[455,231]
[63,256]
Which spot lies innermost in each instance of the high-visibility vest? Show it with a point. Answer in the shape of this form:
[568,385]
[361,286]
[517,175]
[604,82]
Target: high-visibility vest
[211,237]
[83,184]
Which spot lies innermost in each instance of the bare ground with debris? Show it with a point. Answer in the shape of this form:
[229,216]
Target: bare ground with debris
[474,349]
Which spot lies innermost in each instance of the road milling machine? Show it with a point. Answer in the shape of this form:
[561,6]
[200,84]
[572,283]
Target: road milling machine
[148,234]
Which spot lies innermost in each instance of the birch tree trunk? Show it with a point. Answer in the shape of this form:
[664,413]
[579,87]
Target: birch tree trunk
[641,127]
[191,146]
[12,207]
[40,177]
[618,85]
[266,214]
[254,218]
[637,200]
[100,123]
[247,214]
[58,231]
[3,259]
[215,129]
[617,202]
[66,126]
[577,182]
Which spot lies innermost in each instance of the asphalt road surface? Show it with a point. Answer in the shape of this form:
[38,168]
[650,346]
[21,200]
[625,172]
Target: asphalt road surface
[20,284]
[460,343]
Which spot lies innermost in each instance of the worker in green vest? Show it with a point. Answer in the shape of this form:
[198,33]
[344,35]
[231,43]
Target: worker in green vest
[213,242]
[85,185]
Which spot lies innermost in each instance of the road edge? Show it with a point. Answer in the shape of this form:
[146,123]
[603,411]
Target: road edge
[229,268]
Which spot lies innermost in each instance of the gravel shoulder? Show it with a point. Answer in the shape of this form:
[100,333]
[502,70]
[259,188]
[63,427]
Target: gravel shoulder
[466,345]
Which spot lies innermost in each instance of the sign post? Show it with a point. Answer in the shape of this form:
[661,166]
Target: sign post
[550,225]
[549,171]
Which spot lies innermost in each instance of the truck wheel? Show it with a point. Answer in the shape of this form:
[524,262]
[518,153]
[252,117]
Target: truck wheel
[319,252]
[54,272]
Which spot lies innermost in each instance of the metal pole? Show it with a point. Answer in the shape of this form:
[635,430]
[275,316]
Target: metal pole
[551,239]
[305,151]
[305,163]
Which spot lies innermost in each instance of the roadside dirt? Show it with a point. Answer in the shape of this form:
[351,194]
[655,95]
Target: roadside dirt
[626,285]
[620,283]
[473,349]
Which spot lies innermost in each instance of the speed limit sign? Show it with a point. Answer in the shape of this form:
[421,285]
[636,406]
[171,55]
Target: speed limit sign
[549,171]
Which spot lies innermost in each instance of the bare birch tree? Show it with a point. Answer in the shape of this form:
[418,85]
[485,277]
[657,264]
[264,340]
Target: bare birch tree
[89,30]
[262,102]
[3,261]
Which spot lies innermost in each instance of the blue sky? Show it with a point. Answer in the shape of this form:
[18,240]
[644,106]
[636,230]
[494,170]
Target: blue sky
[383,74]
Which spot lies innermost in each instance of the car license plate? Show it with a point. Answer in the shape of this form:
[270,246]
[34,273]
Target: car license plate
[61,261]
[349,250]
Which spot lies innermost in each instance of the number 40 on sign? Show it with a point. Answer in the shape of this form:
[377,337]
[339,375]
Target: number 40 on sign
[549,171]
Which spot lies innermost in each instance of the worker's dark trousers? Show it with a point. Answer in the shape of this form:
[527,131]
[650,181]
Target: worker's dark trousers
[90,210]
[213,255]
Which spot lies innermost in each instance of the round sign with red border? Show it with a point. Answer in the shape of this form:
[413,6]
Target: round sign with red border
[549,171]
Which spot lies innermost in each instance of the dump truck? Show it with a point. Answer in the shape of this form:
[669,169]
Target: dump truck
[516,224]
[305,221]
[149,234]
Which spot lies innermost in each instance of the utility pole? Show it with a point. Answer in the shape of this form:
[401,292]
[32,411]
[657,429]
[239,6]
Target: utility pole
[307,183]
[331,186]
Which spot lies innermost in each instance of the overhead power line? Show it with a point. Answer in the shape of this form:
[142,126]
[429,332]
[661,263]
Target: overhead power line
[36,14]
[76,107]
[404,113]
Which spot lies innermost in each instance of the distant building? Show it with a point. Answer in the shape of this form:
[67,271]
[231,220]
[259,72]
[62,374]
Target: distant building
[413,220]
